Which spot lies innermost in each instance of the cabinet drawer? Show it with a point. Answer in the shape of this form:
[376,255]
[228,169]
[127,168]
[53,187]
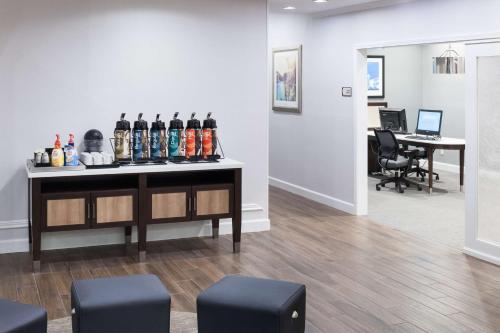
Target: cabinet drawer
[65,211]
[170,204]
[213,200]
[114,207]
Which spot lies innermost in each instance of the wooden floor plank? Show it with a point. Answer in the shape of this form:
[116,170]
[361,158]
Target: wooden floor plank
[360,276]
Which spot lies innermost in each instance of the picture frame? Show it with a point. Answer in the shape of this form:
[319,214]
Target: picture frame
[287,79]
[376,76]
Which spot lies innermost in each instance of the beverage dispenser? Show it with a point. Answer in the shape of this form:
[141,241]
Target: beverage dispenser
[122,139]
[193,137]
[141,146]
[176,138]
[158,140]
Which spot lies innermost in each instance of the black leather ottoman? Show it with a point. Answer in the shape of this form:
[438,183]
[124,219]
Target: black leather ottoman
[129,304]
[250,305]
[21,318]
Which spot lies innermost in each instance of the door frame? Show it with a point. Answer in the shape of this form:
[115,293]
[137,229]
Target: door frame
[473,245]
[360,122]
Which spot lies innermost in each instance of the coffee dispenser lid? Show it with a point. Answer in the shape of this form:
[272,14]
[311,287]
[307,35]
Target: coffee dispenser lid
[193,122]
[209,122]
[140,124]
[176,123]
[158,124]
[122,124]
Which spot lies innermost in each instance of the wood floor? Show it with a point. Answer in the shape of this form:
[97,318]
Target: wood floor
[360,276]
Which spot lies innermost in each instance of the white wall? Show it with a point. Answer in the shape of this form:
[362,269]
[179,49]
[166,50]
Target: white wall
[403,79]
[72,65]
[327,121]
[447,93]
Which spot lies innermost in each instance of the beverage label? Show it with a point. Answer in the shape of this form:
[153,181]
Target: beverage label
[137,149]
[163,143]
[122,144]
[173,143]
[207,142]
[155,144]
[190,143]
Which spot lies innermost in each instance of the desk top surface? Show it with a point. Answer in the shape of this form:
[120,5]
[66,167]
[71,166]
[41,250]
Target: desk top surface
[444,141]
[136,169]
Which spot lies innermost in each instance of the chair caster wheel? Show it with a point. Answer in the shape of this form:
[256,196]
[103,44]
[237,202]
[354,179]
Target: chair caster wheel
[401,191]
[378,188]
[420,188]
[422,179]
[437,177]
[383,185]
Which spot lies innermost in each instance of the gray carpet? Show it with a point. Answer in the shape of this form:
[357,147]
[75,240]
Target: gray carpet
[180,322]
[439,218]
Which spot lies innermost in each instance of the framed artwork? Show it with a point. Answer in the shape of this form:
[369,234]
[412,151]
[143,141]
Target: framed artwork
[376,76]
[287,79]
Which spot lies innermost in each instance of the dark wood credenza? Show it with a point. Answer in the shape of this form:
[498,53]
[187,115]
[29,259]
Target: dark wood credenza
[134,196]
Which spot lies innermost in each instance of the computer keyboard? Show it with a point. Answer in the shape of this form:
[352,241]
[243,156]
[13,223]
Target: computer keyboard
[420,137]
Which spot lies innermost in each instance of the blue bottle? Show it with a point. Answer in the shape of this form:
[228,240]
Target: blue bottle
[176,137]
[158,140]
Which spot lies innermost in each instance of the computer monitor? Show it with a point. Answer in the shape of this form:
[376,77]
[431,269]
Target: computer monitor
[393,119]
[429,122]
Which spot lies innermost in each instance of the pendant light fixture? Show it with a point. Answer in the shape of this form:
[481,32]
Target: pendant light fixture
[449,62]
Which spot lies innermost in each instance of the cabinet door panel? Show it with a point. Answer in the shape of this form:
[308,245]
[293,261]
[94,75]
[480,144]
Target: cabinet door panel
[170,204]
[114,209]
[65,212]
[61,211]
[213,201]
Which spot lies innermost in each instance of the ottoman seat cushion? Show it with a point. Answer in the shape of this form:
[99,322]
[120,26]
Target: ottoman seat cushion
[138,303]
[248,305]
[21,318]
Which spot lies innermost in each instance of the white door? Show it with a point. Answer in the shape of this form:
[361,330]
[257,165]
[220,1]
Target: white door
[482,153]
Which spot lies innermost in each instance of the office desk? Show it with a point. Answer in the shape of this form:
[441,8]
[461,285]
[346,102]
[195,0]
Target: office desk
[431,146]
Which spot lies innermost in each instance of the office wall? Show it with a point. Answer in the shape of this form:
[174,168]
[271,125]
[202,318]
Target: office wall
[447,93]
[403,79]
[326,172]
[71,65]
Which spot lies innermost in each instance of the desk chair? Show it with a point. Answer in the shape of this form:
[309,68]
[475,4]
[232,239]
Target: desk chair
[421,172]
[390,158]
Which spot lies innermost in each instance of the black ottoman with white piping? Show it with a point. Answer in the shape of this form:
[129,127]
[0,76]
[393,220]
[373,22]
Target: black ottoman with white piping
[249,305]
[129,304]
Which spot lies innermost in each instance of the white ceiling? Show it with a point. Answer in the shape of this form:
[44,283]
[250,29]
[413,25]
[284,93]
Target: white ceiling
[332,7]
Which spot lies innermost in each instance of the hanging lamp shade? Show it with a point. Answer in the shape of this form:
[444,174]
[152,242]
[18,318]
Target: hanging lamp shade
[450,62]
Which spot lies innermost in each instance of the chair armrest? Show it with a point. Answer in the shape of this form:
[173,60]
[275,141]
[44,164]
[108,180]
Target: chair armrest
[411,153]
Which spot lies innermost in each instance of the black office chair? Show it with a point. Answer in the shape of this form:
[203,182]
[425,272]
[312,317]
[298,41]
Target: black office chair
[421,172]
[390,158]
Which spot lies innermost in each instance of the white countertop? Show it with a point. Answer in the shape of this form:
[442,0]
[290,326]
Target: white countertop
[442,141]
[135,169]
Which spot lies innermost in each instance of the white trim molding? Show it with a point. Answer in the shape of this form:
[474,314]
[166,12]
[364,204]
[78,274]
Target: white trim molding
[14,234]
[313,195]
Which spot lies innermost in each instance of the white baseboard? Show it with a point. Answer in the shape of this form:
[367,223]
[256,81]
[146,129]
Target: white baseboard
[14,234]
[313,195]
[446,167]
[482,256]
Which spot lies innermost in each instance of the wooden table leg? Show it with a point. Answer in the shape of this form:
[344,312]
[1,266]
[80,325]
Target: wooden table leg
[143,212]
[462,162]
[36,233]
[128,235]
[237,211]
[29,214]
[215,228]
[430,161]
